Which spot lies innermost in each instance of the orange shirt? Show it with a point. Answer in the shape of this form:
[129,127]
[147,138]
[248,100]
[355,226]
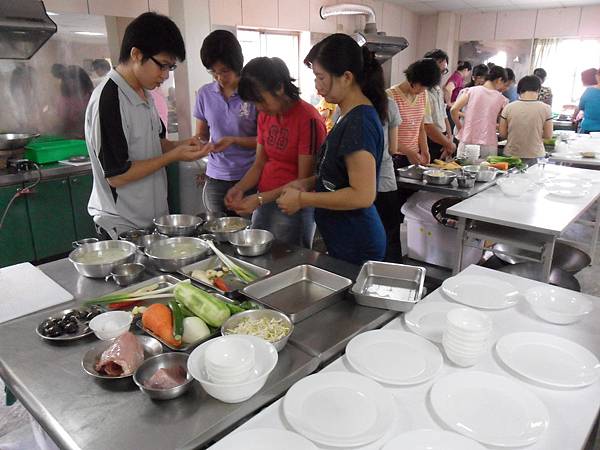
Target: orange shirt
[412,114]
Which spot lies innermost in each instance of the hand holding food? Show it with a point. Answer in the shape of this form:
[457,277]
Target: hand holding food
[289,201]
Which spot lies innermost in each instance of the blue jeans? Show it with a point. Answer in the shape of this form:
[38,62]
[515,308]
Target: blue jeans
[214,193]
[297,229]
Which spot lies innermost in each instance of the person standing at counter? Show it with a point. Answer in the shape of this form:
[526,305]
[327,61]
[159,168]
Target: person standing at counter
[124,135]
[590,105]
[224,118]
[456,82]
[545,92]
[290,131]
[510,91]
[527,122]
[350,159]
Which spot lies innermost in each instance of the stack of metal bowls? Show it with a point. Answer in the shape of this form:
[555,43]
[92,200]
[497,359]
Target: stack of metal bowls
[252,242]
[178,224]
[98,259]
[140,237]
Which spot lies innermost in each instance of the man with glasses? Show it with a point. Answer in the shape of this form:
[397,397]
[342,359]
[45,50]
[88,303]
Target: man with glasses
[437,127]
[125,136]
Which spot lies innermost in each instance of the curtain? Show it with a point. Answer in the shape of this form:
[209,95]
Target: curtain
[544,51]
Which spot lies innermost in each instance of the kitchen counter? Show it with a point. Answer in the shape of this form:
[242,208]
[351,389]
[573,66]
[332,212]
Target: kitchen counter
[81,412]
[9,176]
[451,190]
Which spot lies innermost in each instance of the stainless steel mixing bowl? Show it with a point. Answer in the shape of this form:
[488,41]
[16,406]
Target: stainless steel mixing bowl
[98,249]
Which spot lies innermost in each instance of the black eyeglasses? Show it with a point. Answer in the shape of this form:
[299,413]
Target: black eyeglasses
[164,67]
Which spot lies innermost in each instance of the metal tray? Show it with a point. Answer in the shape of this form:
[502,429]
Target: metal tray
[214,262]
[414,172]
[83,329]
[396,287]
[299,292]
[214,332]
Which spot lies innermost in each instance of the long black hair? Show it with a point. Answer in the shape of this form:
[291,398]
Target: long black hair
[340,53]
[266,74]
[496,73]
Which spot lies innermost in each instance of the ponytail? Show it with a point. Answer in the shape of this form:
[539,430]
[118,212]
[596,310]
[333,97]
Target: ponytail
[266,74]
[340,53]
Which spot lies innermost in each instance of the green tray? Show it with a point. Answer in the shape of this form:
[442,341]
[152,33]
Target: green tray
[48,150]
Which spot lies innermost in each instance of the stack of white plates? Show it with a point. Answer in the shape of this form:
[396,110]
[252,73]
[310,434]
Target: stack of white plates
[491,409]
[394,357]
[481,291]
[466,336]
[339,409]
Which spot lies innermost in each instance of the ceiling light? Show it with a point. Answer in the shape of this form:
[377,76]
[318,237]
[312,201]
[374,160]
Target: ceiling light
[50,13]
[88,33]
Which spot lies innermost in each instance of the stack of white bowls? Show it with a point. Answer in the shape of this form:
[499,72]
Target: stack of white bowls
[229,361]
[467,335]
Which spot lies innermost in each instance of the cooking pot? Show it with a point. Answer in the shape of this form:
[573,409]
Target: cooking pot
[8,141]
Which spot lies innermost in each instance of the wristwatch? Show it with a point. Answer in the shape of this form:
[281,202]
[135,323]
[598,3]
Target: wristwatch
[260,198]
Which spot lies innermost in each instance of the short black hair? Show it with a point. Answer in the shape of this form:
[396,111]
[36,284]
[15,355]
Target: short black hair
[222,46]
[424,72]
[480,70]
[496,73]
[510,74]
[152,33]
[437,54]
[266,74]
[530,83]
[100,63]
[462,65]
[540,73]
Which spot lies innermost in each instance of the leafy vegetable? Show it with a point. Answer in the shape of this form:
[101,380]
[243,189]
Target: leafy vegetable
[512,161]
[140,294]
[244,275]
[177,319]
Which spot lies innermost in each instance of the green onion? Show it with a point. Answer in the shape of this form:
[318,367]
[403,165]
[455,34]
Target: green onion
[140,294]
[244,275]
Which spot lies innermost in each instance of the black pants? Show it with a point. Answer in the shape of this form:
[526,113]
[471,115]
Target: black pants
[435,150]
[388,207]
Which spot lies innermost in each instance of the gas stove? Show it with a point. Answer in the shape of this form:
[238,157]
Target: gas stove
[20,164]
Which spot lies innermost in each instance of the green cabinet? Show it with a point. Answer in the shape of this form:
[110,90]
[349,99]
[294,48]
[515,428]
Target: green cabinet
[51,218]
[16,241]
[81,188]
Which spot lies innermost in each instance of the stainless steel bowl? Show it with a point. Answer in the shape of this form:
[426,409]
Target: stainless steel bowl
[482,173]
[147,240]
[224,227]
[163,361]
[134,235]
[465,181]
[166,254]
[125,274]
[178,224]
[15,140]
[84,241]
[81,256]
[439,177]
[252,242]
[235,320]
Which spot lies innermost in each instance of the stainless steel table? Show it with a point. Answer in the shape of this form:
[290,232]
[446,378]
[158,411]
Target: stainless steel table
[451,190]
[79,412]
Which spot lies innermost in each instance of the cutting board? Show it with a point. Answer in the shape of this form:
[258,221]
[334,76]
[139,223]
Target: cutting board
[25,289]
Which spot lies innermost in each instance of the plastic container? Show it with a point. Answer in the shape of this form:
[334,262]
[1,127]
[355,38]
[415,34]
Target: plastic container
[50,150]
[428,240]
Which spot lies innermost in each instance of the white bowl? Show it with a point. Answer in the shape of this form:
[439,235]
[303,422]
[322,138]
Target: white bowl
[265,358]
[111,324]
[461,360]
[514,186]
[469,320]
[466,351]
[557,305]
[229,361]
[464,346]
[468,337]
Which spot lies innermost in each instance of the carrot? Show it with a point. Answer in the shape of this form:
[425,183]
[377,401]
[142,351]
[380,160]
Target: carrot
[158,319]
[500,165]
[219,283]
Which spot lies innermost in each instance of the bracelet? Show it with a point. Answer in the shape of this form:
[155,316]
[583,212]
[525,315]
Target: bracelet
[260,198]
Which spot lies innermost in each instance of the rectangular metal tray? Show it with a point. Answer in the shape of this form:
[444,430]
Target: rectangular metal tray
[299,292]
[213,262]
[397,287]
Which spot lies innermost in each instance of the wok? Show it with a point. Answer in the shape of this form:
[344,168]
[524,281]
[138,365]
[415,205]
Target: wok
[8,141]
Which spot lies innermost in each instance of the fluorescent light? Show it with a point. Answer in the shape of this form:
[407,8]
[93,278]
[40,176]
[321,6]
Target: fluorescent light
[88,33]
[50,13]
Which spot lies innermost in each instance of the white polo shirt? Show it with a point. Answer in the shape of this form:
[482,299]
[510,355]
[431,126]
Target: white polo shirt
[121,127]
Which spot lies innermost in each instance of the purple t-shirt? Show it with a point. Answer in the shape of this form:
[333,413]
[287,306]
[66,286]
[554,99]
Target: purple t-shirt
[226,117]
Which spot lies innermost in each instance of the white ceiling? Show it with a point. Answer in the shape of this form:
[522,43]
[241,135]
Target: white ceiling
[434,6]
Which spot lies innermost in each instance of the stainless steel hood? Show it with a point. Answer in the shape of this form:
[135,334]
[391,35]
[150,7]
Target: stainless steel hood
[24,28]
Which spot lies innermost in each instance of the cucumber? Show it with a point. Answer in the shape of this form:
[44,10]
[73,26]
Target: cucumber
[207,307]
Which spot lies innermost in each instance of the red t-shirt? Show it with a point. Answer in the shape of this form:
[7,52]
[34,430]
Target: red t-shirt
[299,131]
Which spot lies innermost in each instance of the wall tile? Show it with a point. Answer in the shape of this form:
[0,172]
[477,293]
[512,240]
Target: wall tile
[558,22]
[294,14]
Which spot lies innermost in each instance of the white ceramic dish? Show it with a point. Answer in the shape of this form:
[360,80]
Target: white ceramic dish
[514,186]
[568,188]
[432,440]
[339,409]
[488,408]
[469,321]
[481,291]
[428,319]
[229,360]
[549,360]
[394,357]
[111,324]
[556,305]
[264,439]
[265,356]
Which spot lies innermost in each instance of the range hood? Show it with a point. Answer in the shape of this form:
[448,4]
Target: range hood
[24,28]
[382,45]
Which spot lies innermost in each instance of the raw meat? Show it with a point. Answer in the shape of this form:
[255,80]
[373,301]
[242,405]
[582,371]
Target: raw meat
[166,378]
[122,358]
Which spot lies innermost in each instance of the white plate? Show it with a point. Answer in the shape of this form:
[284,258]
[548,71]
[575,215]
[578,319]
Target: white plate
[394,357]
[549,360]
[557,305]
[339,409]
[481,291]
[264,439]
[432,440]
[491,409]
[428,319]
[569,188]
